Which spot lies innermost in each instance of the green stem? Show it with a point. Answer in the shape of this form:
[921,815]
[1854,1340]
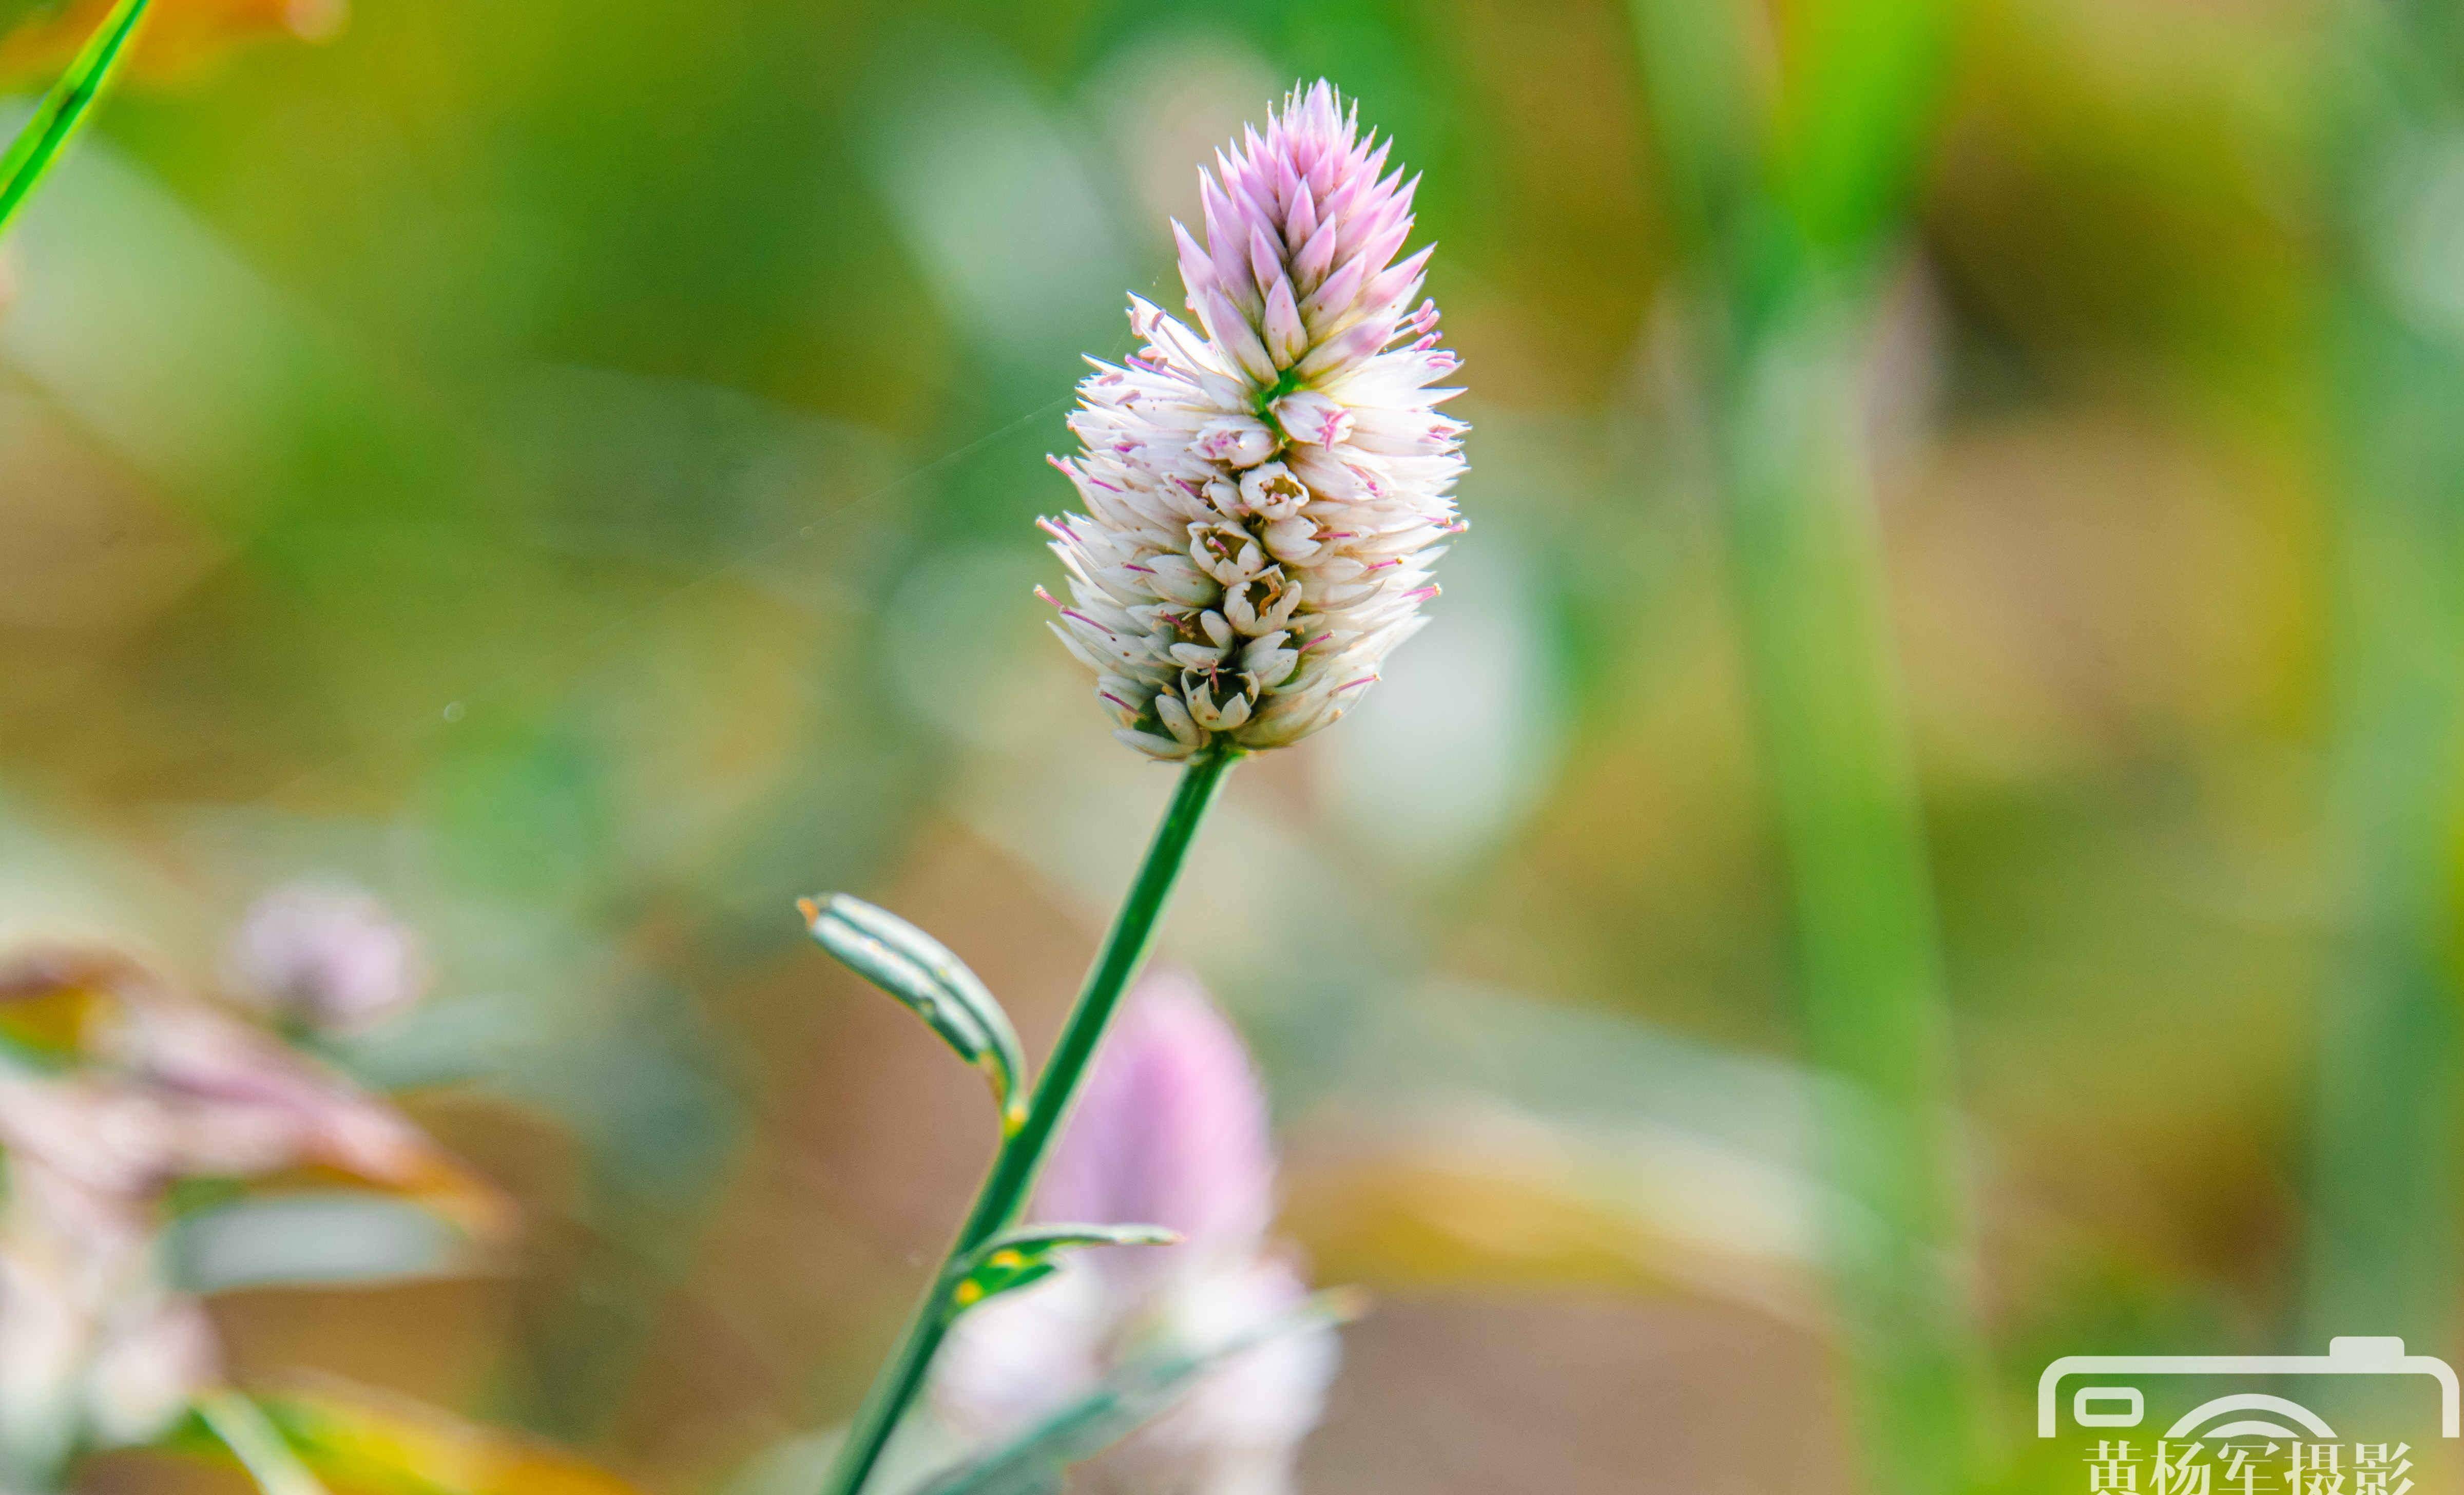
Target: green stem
[1810,584]
[2390,1057]
[38,146]
[1003,1195]
[1790,190]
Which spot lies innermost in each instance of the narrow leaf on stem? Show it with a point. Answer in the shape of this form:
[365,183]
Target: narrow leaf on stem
[1017,1258]
[935,984]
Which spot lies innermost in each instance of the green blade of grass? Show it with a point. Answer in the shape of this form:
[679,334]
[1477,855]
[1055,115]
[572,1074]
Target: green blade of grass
[37,146]
[1807,562]
[1791,208]
[2386,1144]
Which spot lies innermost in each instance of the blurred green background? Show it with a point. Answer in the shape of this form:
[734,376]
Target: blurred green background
[570,468]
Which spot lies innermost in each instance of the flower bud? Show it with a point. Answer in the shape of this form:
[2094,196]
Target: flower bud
[326,956]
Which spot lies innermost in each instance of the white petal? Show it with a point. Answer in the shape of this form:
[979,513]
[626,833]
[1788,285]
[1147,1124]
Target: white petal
[1177,721]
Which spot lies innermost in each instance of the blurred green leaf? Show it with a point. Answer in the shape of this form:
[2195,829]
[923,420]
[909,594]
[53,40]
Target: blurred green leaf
[251,1438]
[1707,113]
[1781,348]
[1012,1261]
[65,108]
[920,972]
[324,1239]
[1032,1464]
[2390,1054]
[1858,121]
[14,13]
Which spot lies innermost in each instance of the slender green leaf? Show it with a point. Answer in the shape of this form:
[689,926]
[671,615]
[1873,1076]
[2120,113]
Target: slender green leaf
[937,985]
[1031,1463]
[37,146]
[321,1238]
[1055,1238]
[1017,1258]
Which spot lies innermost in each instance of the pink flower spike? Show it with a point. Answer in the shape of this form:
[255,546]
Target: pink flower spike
[1273,470]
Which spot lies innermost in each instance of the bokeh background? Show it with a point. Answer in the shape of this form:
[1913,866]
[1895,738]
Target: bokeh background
[570,468]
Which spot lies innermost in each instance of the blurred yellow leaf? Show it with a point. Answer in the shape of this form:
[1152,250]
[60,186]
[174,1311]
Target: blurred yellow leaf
[181,35]
[50,1022]
[1510,1199]
[356,1439]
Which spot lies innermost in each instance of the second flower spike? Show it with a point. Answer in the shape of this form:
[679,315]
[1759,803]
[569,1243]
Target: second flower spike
[1171,1129]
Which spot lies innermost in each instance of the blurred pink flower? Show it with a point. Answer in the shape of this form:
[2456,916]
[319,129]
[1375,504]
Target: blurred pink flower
[1170,1130]
[165,1086]
[153,1087]
[94,1344]
[1263,498]
[329,957]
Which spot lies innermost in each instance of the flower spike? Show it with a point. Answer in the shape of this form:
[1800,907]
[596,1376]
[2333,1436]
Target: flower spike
[1264,491]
